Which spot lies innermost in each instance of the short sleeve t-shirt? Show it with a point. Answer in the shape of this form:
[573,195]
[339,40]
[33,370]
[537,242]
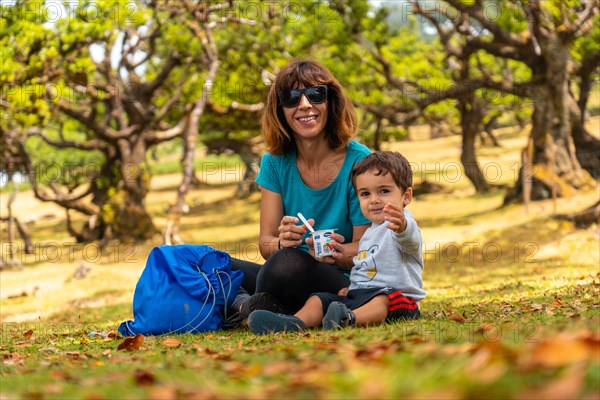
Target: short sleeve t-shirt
[335,206]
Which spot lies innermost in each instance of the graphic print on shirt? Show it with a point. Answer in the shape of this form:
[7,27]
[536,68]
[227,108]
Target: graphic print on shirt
[368,266]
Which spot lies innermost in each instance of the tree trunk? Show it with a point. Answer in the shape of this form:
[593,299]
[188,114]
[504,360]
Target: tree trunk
[377,134]
[125,212]
[251,161]
[471,119]
[12,253]
[488,130]
[190,139]
[189,147]
[555,169]
[587,147]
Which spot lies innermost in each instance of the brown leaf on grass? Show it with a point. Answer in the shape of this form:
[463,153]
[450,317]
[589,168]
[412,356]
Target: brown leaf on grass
[562,350]
[171,342]
[110,337]
[143,377]
[279,367]
[52,388]
[13,358]
[557,302]
[488,363]
[49,350]
[59,375]
[572,315]
[163,393]
[376,352]
[215,355]
[28,334]
[452,350]
[457,318]
[132,343]
[566,387]
[446,393]
[75,355]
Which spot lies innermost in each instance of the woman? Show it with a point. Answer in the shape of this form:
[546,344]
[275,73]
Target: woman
[307,126]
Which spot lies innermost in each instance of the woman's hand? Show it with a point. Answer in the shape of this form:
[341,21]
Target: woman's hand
[343,252]
[290,234]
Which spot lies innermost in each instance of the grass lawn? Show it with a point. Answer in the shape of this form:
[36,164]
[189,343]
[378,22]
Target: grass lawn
[512,307]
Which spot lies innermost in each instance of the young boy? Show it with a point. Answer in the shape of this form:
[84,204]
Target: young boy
[385,283]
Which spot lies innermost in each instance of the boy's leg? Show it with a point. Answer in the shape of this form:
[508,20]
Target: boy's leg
[373,312]
[312,312]
[339,316]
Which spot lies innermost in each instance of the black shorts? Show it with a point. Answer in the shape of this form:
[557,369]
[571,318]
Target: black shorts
[400,306]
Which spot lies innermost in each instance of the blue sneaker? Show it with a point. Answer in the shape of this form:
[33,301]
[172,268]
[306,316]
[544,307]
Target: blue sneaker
[338,316]
[262,322]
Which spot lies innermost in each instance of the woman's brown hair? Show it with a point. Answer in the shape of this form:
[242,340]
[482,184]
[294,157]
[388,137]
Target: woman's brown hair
[341,124]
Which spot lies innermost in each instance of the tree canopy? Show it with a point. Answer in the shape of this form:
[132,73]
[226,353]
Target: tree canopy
[90,87]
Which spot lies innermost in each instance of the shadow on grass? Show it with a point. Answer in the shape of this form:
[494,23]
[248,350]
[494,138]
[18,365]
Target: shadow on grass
[172,188]
[233,207]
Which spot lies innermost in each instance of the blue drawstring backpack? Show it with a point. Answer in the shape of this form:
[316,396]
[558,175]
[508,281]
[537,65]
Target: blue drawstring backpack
[184,288]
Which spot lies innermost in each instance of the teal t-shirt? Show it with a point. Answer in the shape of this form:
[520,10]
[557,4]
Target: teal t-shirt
[335,206]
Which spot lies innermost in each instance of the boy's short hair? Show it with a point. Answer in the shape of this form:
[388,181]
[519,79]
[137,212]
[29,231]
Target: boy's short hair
[386,162]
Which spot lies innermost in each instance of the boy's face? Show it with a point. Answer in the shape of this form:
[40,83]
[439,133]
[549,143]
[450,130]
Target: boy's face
[375,191]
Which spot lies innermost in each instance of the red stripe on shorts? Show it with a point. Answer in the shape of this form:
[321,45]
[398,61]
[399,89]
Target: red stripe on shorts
[405,306]
[397,300]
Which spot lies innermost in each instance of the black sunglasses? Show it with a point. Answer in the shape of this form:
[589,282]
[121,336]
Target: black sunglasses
[315,94]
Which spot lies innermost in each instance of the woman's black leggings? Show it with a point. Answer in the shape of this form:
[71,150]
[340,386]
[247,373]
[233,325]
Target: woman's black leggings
[291,275]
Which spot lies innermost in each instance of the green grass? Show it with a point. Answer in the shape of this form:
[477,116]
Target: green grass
[512,309]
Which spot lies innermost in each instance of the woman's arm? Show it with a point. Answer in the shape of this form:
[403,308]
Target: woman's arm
[277,230]
[271,213]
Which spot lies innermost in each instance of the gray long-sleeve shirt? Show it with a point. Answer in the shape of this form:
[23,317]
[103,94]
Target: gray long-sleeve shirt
[389,259]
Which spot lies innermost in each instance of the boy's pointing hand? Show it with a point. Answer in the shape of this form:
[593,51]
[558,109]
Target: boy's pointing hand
[395,216]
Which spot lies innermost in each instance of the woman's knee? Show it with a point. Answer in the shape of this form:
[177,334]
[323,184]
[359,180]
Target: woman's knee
[288,262]
[285,266]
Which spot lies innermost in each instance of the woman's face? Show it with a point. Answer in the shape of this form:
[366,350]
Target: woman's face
[306,119]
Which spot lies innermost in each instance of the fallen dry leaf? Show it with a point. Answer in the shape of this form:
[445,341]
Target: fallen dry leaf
[225,355]
[75,355]
[557,302]
[278,367]
[28,334]
[143,377]
[562,350]
[110,337]
[163,393]
[457,317]
[132,343]
[171,342]
[566,387]
[376,352]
